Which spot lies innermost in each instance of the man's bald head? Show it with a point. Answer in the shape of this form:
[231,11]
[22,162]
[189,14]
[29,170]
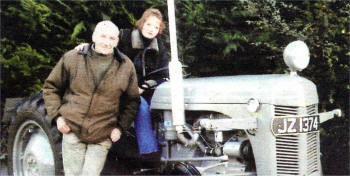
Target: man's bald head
[106,26]
[105,37]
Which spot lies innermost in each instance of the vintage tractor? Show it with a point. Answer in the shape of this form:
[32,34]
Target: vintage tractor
[229,125]
[250,124]
[236,125]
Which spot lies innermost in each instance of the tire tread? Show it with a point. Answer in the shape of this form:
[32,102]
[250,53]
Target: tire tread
[33,108]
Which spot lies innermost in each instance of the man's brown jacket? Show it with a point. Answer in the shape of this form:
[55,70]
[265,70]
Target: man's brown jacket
[92,109]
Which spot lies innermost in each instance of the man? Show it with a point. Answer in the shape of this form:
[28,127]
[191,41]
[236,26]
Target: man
[93,97]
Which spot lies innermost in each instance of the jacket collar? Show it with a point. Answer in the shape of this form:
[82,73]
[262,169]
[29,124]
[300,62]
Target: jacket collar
[117,54]
[137,43]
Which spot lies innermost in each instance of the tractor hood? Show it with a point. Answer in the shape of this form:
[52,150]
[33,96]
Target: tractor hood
[274,89]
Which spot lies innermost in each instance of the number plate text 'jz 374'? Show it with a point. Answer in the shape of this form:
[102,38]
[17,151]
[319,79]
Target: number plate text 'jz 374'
[295,124]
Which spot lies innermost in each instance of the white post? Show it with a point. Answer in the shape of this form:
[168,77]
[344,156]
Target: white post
[175,71]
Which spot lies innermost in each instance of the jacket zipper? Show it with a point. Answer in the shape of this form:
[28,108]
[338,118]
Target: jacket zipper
[96,85]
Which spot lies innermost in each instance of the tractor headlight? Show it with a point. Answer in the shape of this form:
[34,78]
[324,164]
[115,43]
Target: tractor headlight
[252,105]
[296,55]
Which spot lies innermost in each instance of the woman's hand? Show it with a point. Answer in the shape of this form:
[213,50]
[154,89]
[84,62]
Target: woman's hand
[81,46]
[141,91]
[149,84]
[62,125]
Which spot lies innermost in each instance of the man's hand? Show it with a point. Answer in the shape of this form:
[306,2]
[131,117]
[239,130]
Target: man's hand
[81,46]
[115,135]
[62,125]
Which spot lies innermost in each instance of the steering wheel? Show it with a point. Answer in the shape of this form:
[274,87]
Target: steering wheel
[143,84]
[146,84]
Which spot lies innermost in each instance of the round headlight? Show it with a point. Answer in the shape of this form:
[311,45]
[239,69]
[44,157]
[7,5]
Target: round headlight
[252,105]
[296,55]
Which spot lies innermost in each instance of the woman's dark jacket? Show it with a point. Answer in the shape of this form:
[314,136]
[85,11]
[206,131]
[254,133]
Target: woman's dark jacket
[131,44]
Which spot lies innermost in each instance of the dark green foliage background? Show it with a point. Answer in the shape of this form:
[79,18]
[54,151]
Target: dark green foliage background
[214,38]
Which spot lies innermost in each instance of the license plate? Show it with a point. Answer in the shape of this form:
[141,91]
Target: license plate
[295,124]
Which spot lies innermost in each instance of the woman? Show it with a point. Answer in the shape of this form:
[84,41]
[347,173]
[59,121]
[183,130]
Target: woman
[143,46]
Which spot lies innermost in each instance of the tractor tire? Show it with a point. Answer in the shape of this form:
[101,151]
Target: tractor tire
[182,168]
[34,143]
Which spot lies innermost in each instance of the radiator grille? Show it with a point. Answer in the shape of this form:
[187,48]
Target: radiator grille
[287,146]
[286,110]
[312,153]
[311,110]
[287,154]
[312,145]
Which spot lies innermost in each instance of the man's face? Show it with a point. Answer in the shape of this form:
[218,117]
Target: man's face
[105,40]
[150,28]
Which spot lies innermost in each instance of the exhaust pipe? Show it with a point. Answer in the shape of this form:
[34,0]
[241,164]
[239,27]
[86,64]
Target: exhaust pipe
[175,71]
[194,140]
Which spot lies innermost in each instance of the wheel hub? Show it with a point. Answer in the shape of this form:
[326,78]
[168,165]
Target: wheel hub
[30,165]
[32,154]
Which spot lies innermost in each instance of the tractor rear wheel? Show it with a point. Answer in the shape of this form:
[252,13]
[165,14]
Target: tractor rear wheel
[34,143]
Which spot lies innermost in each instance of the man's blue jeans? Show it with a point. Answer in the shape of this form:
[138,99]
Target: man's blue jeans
[146,139]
